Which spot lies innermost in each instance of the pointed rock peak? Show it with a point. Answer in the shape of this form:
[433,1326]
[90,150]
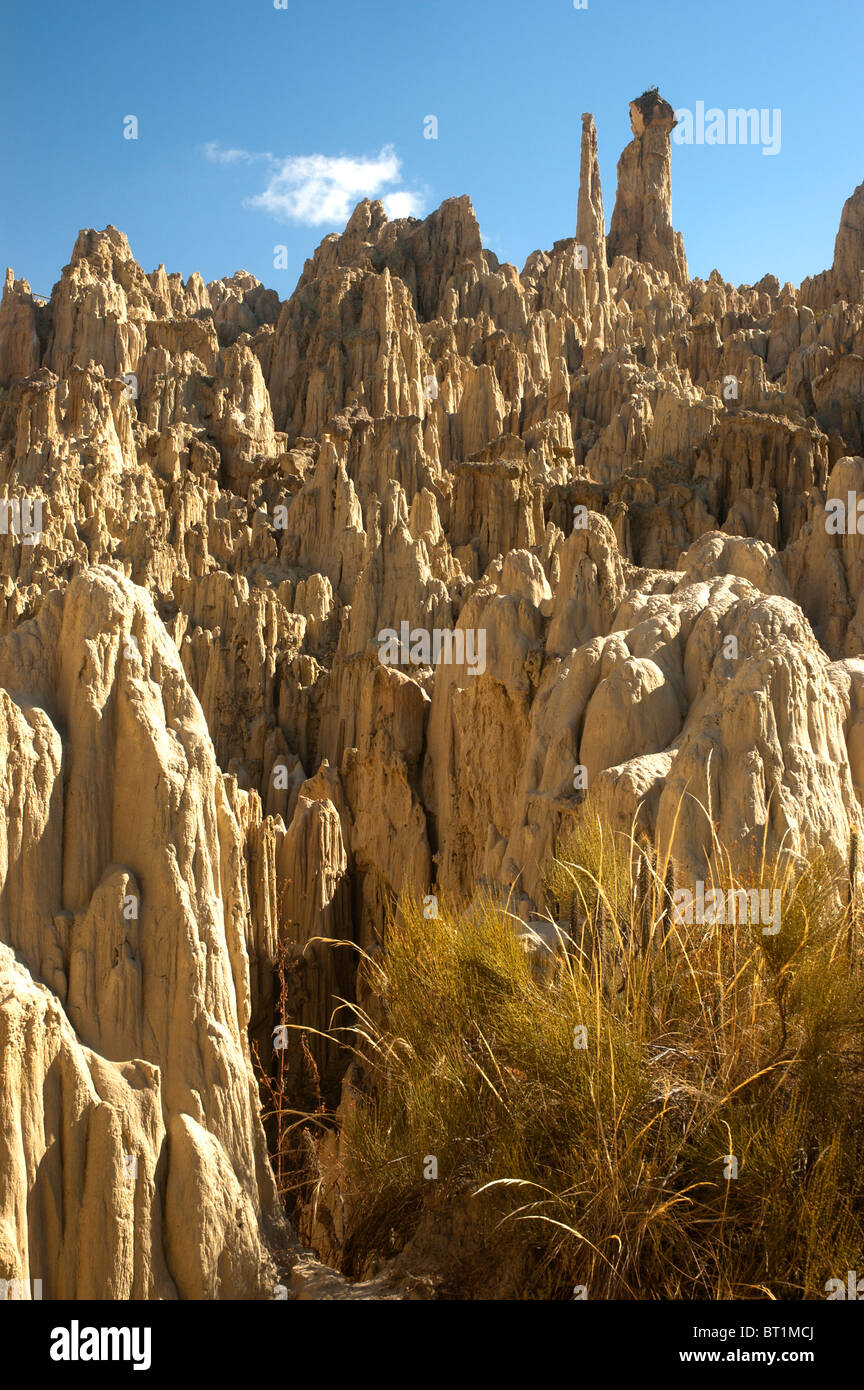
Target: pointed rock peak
[590,225]
[110,244]
[241,280]
[459,217]
[195,281]
[849,246]
[367,220]
[845,279]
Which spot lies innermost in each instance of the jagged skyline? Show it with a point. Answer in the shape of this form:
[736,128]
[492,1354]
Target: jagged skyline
[737,210]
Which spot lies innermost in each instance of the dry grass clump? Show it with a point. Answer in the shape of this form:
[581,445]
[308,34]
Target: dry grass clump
[589,1114]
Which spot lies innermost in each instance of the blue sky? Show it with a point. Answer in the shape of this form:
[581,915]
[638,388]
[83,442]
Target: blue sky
[353,82]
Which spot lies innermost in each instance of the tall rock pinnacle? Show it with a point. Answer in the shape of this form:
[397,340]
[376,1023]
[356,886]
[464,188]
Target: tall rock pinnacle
[849,247]
[591,233]
[590,224]
[845,279]
[642,221]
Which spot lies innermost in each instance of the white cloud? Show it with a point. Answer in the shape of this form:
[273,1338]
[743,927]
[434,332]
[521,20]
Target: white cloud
[402,204]
[318,189]
[217,155]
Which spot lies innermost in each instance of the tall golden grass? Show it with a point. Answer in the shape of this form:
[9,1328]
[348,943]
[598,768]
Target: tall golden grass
[609,1165]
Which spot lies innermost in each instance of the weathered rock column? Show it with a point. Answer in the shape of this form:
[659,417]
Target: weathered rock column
[642,221]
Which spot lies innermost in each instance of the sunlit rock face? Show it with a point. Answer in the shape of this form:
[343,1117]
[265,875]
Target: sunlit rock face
[305,605]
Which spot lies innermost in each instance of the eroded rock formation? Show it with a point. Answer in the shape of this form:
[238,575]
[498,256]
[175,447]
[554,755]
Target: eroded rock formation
[620,476]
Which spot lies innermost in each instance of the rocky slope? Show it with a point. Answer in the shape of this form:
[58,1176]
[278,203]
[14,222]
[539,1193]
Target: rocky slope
[621,476]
